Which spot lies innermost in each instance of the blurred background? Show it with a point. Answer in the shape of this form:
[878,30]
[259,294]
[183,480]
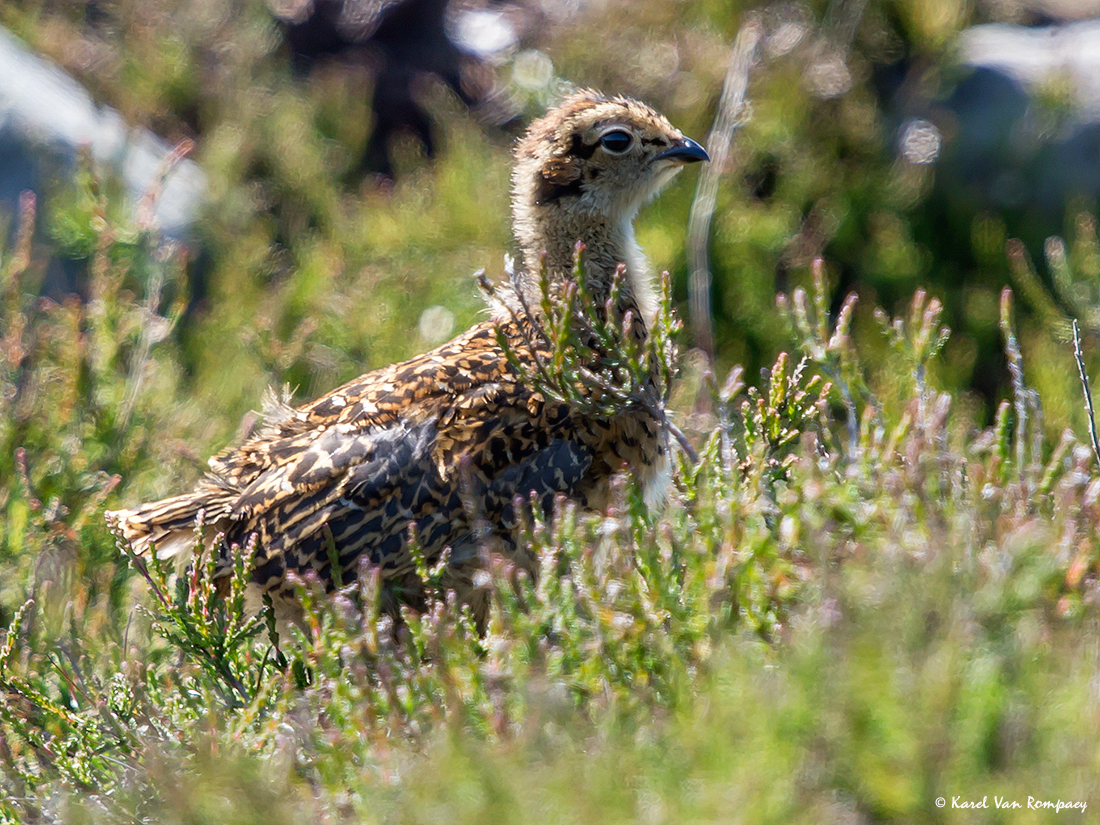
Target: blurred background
[349,159]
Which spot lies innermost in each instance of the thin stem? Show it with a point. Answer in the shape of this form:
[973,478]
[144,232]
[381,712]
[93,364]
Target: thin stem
[706,193]
[1079,357]
[682,440]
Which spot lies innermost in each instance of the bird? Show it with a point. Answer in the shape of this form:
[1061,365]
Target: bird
[444,445]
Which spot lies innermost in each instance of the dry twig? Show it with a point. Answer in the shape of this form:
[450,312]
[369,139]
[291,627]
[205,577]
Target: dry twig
[706,193]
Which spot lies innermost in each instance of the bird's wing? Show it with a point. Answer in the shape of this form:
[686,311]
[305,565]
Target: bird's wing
[342,423]
[474,428]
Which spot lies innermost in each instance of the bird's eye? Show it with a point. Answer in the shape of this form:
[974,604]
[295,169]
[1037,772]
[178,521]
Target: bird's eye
[616,142]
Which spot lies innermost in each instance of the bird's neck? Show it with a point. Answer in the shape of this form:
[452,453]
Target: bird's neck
[607,246]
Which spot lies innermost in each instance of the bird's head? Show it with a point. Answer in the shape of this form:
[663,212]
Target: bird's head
[582,172]
[599,157]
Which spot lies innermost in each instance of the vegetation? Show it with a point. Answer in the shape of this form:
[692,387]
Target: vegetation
[865,593]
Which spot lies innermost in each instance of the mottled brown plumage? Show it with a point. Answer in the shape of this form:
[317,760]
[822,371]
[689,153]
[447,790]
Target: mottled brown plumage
[448,440]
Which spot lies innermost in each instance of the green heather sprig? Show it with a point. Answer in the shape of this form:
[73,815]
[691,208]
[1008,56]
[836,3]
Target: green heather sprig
[830,350]
[587,355]
[775,417]
[201,612]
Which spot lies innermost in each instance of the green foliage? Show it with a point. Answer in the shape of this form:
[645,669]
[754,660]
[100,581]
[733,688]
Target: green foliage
[79,384]
[813,628]
[204,621]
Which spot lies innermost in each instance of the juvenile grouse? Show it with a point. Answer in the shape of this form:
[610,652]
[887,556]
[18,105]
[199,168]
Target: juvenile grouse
[447,440]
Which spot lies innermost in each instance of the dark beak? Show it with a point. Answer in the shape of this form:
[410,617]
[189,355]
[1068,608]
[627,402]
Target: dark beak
[684,150]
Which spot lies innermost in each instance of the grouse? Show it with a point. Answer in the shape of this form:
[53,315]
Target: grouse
[446,442]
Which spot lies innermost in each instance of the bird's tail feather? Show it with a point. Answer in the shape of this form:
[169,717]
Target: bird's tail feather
[169,524]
